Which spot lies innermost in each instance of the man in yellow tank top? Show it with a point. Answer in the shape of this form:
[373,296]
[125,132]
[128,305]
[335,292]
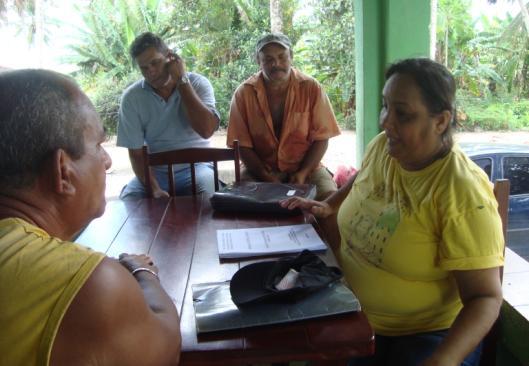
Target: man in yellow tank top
[61,303]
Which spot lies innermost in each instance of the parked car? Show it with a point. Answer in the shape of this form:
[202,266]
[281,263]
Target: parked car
[511,162]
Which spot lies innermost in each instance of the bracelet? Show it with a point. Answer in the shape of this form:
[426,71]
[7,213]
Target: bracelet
[144,269]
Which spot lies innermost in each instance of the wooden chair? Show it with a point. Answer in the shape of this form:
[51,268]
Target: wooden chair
[490,342]
[190,156]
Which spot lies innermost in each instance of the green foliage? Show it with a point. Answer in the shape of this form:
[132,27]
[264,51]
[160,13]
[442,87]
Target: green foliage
[102,54]
[220,43]
[109,29]
[216,39]
[515,60]
[326,52]
[106,95]
[454,29]
[493,113]
[490,66]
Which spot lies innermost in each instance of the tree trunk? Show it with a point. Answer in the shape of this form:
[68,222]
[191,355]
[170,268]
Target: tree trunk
[446,46]
[525,14]
[276,19]
[433,28]
[524,86]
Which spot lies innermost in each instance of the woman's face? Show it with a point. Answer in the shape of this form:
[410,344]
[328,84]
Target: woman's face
[414,135]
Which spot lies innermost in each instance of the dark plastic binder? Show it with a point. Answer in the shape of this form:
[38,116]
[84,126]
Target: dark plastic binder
[259,197]
[215,310]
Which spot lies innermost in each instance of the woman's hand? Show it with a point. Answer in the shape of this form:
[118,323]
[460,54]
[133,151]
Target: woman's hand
[317,208]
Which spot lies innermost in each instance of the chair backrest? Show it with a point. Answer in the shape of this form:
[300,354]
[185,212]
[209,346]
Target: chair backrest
[490,342]
[190,156]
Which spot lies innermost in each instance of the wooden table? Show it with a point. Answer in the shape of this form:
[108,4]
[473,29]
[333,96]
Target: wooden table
[180,234]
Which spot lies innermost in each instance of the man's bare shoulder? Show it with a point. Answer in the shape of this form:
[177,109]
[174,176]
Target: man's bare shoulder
[109,316]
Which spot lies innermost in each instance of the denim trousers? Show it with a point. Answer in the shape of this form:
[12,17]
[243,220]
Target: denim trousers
[409,350]
[182,178]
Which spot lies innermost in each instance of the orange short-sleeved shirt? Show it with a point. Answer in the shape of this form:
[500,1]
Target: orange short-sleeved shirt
[308,117]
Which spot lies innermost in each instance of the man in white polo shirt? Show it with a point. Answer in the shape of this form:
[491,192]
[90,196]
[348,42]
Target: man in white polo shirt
[168,109]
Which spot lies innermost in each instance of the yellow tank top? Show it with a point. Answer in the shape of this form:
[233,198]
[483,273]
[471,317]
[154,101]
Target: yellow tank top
[39,277]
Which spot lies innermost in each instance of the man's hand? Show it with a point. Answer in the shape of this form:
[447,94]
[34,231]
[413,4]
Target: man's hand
[175,66]
[320,209]
[159,193]
[133,261]
[202,118]
[270,176]
[299,177]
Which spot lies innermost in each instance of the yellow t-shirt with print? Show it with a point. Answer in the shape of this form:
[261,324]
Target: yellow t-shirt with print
[404,231]
[39,278]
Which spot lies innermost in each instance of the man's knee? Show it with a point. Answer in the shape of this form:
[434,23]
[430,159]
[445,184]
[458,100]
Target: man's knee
[325,185]
[205,179]
[133,190]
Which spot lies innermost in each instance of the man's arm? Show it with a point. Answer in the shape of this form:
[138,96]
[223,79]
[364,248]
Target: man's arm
[202,119]
[255,166]
[119,319]
[136,161]
[310,162]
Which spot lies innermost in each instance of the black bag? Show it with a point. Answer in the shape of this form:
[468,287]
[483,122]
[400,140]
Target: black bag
[259,197]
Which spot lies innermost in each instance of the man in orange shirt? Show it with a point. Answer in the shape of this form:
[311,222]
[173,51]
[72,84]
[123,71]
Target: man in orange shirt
[283,120]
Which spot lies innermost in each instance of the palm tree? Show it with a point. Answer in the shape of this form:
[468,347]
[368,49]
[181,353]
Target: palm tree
[515,59]
[110,27]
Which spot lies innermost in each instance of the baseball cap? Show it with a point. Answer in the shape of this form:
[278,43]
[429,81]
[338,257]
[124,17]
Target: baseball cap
[258,282]
[278,38]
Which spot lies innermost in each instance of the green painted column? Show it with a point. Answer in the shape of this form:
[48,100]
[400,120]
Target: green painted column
[369,40]
[385,31]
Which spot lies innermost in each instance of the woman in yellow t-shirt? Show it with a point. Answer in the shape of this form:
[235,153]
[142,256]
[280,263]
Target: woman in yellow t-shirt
[420,240]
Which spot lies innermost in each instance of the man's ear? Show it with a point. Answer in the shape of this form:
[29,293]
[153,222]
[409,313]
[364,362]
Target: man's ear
[62,173]
[442,121]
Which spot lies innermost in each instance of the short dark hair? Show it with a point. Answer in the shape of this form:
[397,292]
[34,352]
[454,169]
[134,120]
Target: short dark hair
[39,114]
[436,84]
[147,40]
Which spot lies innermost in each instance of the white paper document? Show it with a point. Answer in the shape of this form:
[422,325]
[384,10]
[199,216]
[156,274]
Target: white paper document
[237,243]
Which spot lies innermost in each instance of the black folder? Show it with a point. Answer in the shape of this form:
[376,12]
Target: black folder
[259,197]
